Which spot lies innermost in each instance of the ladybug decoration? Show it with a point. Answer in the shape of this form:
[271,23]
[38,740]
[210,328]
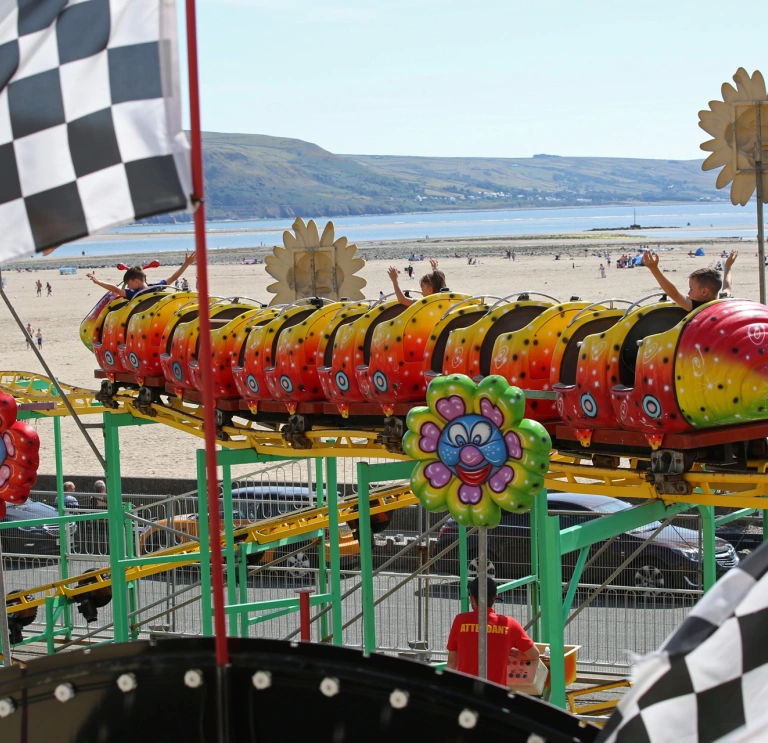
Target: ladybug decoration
[19,455]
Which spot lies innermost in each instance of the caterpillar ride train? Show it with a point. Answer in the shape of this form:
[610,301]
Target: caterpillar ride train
[609,379]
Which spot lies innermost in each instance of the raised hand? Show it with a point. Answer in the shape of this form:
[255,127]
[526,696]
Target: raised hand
[731,259]
[650,259]
[392,273]
[433,263]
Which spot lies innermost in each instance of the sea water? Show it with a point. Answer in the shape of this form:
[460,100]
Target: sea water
[719,219]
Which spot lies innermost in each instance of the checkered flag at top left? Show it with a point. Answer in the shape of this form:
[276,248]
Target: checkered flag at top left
[90,119]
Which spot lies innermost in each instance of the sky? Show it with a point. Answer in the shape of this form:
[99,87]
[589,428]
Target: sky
[488,78]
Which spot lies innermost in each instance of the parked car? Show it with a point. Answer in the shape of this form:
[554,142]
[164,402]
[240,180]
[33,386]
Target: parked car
[257,503]
[32,540]
[670,560]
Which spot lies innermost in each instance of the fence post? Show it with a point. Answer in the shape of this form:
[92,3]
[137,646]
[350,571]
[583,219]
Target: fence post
[333,528]
[305,619]
[50,624]
[366,559]
[205,553]
[708,544]
[551,577]
[116,529]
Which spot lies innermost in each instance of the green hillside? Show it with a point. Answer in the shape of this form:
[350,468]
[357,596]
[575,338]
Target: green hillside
[255,176]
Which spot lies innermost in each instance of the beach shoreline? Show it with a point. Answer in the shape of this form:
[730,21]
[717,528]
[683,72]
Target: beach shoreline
[160,451]
[439,247]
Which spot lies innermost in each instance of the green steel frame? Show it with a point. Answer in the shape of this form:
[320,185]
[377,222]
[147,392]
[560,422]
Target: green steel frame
[550,607]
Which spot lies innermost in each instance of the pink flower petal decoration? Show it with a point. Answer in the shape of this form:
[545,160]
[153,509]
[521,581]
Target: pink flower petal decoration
[513,445]
[437,474]
[501,479]
[490,411]
[451,407]
[430,435]
[470,493]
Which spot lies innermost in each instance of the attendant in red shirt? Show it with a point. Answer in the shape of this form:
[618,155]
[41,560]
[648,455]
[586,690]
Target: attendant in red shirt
[505,637]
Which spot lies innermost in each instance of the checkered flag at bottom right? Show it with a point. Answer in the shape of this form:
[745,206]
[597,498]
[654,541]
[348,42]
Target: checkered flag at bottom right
[709,681]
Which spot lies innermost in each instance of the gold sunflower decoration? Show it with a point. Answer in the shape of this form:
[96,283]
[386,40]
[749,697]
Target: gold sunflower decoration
[733,122]
[314,266]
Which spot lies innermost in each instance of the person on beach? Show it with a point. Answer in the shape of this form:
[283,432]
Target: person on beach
[602,271]
[135,279]
[48,288]
[30,334]
[431,283]
[39,286]
[506,638]
[39,337]
[704,284]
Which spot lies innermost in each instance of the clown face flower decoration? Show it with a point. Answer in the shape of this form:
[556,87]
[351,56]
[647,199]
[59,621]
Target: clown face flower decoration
[19,458]
[476,453]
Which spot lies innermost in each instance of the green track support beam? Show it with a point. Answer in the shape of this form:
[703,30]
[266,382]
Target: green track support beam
[64,530]
[735,516]
[333,528]
[115,512]
[551,576]
[229,548]
[584,535]
[708,544]
[573,586]
[463,582]
[205,554]
[765,520]
[133,586]
[538,515]
[322,567]
[242,567]
[364,473]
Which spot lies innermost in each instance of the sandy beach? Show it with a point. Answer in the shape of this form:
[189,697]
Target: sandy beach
[163,452]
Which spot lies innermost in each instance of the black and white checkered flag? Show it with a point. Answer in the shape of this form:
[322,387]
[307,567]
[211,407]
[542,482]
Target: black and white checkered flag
[709,681]
[90,119]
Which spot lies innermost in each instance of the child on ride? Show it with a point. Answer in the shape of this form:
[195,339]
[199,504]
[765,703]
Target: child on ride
[704,284]
[135,279]
[431,283]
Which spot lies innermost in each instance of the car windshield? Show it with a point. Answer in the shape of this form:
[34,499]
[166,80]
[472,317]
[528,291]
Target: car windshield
[612,506]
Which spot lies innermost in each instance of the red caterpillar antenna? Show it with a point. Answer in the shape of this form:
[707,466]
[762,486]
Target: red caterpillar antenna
[152,264]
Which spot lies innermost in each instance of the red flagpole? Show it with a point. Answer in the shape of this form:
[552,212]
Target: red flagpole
[209,419]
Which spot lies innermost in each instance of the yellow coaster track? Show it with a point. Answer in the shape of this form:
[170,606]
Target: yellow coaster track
[267,531]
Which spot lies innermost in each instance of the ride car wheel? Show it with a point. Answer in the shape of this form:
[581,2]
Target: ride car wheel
[299,565]
[474,564]
[649,574]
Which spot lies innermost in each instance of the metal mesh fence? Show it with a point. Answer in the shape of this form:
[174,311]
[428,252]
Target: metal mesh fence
[646,580]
